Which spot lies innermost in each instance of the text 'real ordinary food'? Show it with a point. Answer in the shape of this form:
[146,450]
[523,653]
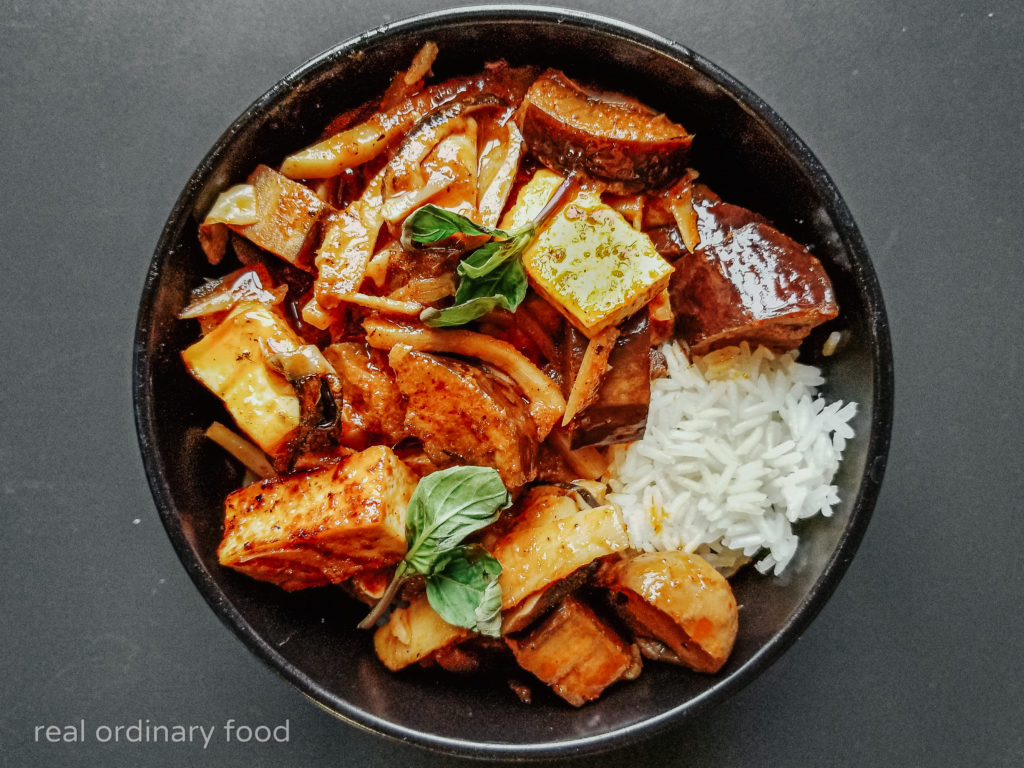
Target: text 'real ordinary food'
[502,368]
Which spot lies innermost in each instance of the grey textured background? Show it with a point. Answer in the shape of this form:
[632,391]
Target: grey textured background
[915,108]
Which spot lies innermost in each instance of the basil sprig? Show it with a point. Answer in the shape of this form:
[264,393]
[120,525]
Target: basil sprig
[431,224]
[464,590]
[461,580]
[492,275]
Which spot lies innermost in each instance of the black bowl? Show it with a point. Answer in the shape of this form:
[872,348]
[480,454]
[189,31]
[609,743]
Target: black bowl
[744,151]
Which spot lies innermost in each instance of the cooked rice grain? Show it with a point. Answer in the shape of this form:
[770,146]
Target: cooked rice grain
[739,447]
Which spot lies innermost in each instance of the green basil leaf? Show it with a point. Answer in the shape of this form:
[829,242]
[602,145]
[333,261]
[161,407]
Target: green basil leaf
[446,507]
[460,314]
[430,224]
[484,259]
[464,590]
[508,280]
[492,255]
[505,287]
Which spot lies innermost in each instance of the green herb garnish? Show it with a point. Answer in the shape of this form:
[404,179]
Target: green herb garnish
[462,580]
[431,224]
[492,275]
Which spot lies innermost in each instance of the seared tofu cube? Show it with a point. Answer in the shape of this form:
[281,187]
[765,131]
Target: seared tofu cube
[321,526]
[289,216]
[552,538]
[414,634]
[229,362]
[576,653]
[587,261]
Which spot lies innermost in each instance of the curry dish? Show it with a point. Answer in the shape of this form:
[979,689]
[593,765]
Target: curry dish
[430,327]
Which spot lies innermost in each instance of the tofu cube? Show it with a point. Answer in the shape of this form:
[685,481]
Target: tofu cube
[322,526]
[587,260]
[576,653]
[551,539]
[229,362]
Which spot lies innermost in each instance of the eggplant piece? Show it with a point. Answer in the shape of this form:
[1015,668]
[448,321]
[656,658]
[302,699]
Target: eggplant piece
[746,282]
[576,653]
[574,346]
[543,601]
[611,137]
[667,241]
[619,415]
[593,368]
[320,403]
[372,401]
[320,527]
[679,607]
[289,216]
[465,415]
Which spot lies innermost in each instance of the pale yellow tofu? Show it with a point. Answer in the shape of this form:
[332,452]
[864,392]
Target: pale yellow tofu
[551,539]
[587,260]
[229,362]
[414,633]
[321,526]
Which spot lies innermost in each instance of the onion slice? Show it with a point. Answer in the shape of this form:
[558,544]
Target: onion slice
[383,304]
[592,371]
[246,452]
[587,462]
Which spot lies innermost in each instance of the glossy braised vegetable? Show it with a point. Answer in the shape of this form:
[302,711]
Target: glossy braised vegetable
[430,326]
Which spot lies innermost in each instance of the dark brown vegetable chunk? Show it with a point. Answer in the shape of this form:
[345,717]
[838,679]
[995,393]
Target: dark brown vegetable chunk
[372,400]
[465,415]
[575,653]
[289,214]
[619,415]
[543,601]
[746,282]
[609,136]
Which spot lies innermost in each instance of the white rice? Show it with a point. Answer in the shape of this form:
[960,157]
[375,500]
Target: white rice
[739,447]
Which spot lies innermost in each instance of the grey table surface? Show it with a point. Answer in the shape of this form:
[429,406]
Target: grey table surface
[915,108]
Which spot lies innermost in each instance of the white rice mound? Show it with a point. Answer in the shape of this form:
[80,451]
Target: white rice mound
[739,447]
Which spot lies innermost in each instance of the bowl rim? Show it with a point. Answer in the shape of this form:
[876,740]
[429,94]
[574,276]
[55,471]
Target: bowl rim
[878,440]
